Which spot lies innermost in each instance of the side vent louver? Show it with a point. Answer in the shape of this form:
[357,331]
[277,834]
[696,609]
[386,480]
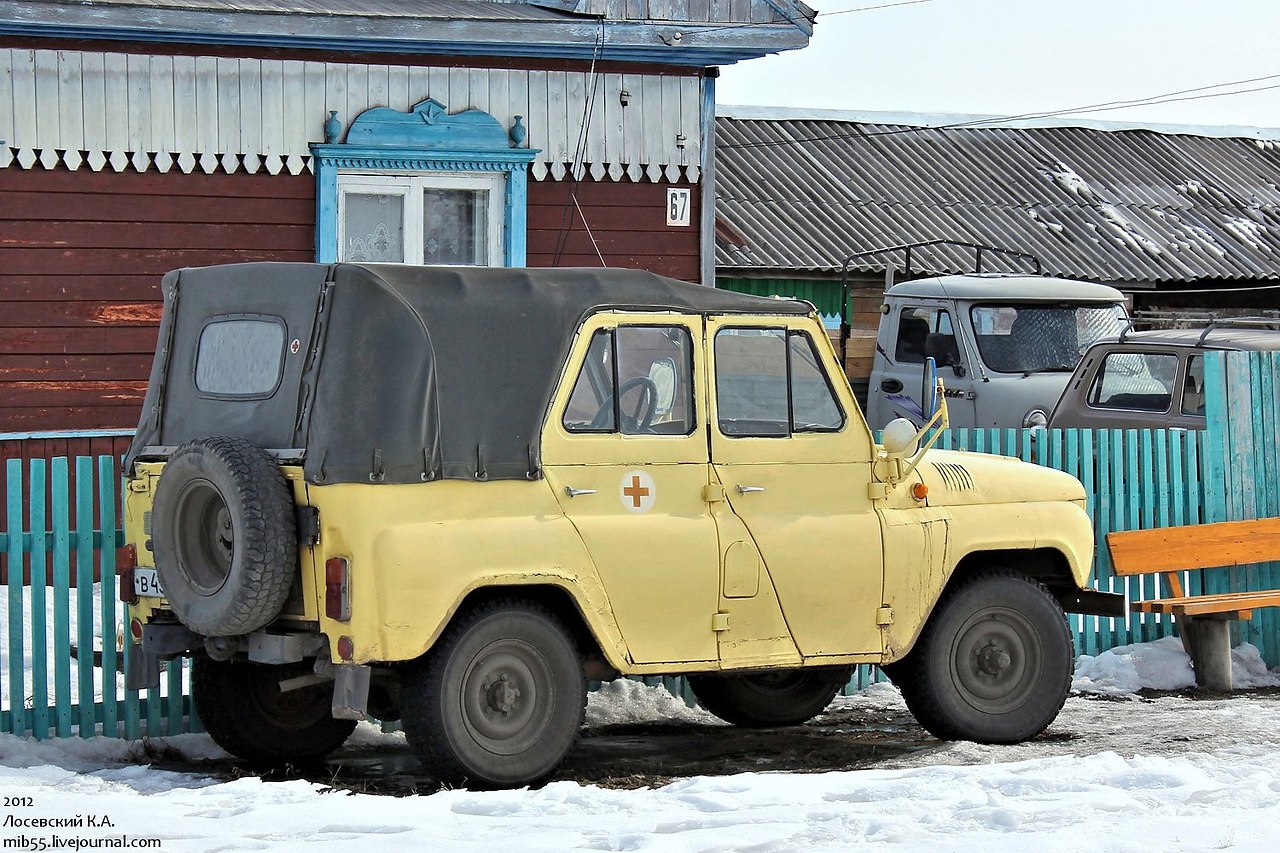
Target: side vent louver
[956,477]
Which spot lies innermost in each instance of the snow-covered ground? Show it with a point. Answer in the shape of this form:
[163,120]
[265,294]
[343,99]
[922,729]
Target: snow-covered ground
[1119,772]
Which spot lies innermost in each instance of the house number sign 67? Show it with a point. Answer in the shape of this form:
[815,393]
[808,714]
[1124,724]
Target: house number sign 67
[678,206]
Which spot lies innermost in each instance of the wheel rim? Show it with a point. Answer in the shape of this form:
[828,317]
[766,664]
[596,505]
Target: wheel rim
[776,683]
[289,710]
[996,660]
[507,695]
[205,536]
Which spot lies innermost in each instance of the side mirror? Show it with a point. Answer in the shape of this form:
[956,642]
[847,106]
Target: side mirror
[929,389]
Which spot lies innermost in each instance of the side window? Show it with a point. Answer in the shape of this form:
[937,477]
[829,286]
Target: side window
[924,332]
[1135,381]
[636,380]
[769,383]
[813,404]
[1193,387]
[240,357]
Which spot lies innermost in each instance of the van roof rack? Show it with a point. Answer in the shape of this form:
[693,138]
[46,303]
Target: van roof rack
[1166,320]
[978,251]
[908,249]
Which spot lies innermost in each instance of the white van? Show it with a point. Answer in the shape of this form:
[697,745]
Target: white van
[1005,345]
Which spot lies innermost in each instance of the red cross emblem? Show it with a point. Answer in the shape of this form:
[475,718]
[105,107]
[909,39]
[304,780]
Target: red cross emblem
[635,491]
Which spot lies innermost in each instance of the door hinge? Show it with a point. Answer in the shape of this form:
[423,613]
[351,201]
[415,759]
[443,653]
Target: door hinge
[884,615]
[308,519]
[877,491]
[719,622]
[713,492]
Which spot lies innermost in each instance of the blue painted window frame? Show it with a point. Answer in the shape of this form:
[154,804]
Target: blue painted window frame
[426,139]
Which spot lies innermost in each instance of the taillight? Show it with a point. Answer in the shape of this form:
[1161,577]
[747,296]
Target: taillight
[126,562]
[337,589]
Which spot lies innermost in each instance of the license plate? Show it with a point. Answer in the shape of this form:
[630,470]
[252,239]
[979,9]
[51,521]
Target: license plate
[147,582]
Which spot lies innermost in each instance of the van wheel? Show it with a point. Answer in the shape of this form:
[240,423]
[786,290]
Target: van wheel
[225,536]
[764,699]
[499,700]
[243,710]
[993,664]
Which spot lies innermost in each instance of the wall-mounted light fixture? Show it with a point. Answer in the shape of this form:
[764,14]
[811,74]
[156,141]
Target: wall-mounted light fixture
[624,97]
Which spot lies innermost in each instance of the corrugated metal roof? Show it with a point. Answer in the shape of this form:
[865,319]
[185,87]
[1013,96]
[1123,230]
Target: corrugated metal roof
[1119,206]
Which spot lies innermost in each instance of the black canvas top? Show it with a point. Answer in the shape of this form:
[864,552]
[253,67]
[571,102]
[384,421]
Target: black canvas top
[397,373]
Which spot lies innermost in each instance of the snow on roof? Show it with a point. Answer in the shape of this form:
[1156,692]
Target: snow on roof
[1100,201]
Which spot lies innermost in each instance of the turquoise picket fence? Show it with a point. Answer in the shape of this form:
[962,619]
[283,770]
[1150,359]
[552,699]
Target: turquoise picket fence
[66,647]
[66,644]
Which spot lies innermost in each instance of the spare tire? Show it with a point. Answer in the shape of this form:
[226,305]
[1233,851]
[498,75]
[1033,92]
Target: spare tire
[225,536]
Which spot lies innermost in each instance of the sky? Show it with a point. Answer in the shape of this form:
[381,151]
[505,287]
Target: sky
[1007,57]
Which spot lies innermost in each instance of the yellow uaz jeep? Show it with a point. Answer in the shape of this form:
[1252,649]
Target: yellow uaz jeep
[450,496]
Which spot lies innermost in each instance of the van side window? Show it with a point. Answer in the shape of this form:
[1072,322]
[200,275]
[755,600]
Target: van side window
[770,384]
[924,332]
[636,380]
[1135,381]
[1193,387]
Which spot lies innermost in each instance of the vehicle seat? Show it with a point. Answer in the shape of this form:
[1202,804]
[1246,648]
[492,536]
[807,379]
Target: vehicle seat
[1192,397]
[912,333]
[943,348]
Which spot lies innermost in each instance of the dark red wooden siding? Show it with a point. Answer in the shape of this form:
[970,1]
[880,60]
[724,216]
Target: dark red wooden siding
[81,258]
[628,221]
[82,255]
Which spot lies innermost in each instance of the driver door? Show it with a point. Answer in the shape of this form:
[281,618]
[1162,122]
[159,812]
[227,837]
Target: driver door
[925,331]
[625,450]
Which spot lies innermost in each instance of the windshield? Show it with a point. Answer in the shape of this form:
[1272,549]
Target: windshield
[1029,338]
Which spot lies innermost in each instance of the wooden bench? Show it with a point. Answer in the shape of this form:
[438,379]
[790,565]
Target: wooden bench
[1203,620]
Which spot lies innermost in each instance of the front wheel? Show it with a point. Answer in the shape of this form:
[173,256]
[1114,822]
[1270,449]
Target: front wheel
[993,664]
[764,699]
[498,702]
[245,712]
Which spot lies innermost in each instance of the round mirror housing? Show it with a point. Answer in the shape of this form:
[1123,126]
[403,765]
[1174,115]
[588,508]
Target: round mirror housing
[900,437]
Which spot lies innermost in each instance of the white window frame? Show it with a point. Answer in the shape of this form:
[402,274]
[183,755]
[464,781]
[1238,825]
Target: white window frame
[411,187]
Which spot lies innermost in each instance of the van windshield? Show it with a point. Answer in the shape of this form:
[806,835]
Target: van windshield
[1034,338]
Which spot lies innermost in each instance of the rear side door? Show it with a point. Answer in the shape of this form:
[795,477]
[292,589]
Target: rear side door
[794,459]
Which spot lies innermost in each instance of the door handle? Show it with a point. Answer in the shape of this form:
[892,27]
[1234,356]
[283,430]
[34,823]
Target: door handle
[573,493]
[893,386]
[746,490]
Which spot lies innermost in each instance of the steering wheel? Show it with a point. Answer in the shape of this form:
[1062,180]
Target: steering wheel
[646,406]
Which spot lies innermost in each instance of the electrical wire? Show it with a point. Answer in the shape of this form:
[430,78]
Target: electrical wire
[821,15]
[579,155]
[1151,100]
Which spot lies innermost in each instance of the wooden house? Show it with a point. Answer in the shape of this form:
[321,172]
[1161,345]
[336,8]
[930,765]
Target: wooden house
[141,136]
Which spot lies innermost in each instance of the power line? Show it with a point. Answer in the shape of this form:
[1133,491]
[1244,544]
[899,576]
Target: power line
[816,17]
[1151,100]
[821,15]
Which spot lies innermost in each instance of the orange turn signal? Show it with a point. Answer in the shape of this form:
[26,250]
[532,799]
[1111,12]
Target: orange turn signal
[919,491]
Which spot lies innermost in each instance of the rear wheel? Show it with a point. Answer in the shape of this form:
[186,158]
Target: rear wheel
[498,702]
[993,664]
[245,712]
[760,700]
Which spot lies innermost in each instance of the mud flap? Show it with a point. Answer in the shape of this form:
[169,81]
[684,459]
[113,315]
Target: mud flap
[351,692]
[159,643]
